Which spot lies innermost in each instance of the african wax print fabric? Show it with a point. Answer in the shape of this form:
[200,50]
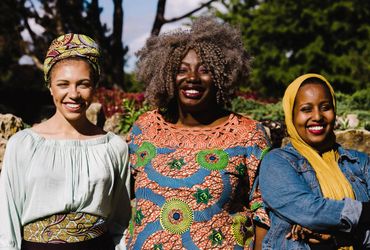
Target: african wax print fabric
[71,45]
[185,179]
[65,228]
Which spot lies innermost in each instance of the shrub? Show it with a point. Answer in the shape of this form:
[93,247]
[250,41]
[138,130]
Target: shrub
[258,110]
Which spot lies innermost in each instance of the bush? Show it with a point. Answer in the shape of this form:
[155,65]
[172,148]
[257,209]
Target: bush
[258,110]
[132,105]
[132,111]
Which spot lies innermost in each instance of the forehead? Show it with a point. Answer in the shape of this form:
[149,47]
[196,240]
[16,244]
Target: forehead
[71,62]
[312,92]
[190,56]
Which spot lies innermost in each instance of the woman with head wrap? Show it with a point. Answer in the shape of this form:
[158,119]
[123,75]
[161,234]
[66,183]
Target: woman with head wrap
[63,183]
[194,162]
[317,192]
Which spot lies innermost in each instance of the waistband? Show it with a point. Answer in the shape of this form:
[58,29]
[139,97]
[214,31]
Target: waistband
[65,228]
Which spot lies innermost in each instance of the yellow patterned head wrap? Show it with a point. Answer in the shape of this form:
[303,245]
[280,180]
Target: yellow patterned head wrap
[72,45]
[332,181]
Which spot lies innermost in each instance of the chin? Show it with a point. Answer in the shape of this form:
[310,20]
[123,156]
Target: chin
[323,146]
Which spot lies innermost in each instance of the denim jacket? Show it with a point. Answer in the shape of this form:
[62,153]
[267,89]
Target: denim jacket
[292,195]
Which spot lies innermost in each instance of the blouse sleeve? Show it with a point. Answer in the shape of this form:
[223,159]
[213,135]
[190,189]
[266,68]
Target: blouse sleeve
[290,198]
[11,197]
[121,210]
[261,145]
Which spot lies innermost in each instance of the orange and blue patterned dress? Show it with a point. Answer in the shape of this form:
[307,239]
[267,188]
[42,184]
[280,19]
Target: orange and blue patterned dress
[185,179]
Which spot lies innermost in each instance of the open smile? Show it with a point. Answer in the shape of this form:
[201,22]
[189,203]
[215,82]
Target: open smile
[192,92]
[73,107]
[316,129]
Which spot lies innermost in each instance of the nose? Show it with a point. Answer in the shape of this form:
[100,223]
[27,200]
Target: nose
[317,116]
[73,92]
[193,77]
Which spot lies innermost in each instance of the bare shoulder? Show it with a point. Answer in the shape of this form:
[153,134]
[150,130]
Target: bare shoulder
[42,128]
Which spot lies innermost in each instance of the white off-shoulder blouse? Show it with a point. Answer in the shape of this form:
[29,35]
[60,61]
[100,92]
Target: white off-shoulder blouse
[41,177]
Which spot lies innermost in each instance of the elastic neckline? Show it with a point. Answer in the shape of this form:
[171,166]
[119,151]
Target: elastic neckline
[74,142]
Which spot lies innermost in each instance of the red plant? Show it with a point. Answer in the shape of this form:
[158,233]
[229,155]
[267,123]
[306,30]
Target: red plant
[111,99]
[253,95]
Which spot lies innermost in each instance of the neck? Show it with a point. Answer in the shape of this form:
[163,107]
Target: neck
[327,146]
[200,119]
[75,128]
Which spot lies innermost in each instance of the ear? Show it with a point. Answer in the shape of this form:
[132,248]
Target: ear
[51,91]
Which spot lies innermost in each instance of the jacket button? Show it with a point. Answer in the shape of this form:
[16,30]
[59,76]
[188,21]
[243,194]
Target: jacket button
[352,178]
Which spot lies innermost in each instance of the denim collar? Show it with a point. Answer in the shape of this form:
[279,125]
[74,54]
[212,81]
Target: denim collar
[343,153]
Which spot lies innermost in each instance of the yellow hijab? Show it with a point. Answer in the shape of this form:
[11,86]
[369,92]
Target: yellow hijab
[332,181]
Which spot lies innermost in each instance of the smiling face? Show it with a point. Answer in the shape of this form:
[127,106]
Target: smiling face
[195,89]
[72,88]
[314,116]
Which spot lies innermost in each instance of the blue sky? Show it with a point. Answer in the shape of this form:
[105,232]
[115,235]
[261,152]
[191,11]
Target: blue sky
[139,18]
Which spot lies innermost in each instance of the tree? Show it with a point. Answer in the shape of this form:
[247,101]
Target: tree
[288,38]
[160,19]
[58,17]
[10,39]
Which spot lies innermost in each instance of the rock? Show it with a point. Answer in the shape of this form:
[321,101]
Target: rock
[276,132]
[95,114]
[112,124]
[357,139]
[353,121]
[350,121]
[9,125]
[2,150]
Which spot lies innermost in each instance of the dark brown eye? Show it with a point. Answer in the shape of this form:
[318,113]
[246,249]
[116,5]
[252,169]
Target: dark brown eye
[203,70]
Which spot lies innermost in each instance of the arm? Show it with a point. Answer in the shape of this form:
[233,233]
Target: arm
[11,200]
[121,210]
[290,198]
[260,233]
[261,146]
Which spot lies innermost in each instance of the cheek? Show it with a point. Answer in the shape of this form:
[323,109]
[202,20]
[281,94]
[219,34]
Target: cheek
[331,117]
[178,79]
[88,95]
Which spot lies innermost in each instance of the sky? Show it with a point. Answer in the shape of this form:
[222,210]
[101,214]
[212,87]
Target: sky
[138,21]
[139,18]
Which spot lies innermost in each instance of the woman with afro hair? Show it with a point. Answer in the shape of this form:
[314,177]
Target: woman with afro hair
[194,162]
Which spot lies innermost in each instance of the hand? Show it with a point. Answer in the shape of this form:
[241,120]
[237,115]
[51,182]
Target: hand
[301,233]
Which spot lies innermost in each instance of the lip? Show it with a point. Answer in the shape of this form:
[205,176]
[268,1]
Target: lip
[73,107]
[192,92]
[316,129]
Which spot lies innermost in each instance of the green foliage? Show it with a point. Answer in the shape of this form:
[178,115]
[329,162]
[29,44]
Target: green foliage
[258,110]
[288,38]
[357,104]
[131,111]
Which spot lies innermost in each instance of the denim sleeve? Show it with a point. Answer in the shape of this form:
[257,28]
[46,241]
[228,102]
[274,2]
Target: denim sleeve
[291,198]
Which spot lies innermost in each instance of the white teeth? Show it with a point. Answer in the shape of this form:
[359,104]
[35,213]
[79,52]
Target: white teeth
[191,91]
[316,128]
[73,105]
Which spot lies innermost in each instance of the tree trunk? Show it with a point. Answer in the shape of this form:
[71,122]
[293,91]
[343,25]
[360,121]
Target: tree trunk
[117,46]
[160,20]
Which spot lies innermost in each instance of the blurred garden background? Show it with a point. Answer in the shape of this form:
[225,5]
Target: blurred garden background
[286,38]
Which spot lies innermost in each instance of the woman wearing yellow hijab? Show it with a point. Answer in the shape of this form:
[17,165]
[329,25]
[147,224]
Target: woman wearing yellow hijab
[313,181]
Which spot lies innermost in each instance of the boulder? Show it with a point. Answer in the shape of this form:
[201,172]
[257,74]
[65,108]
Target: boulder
[95,114]
[112,123]
[357,139]
[9,125]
